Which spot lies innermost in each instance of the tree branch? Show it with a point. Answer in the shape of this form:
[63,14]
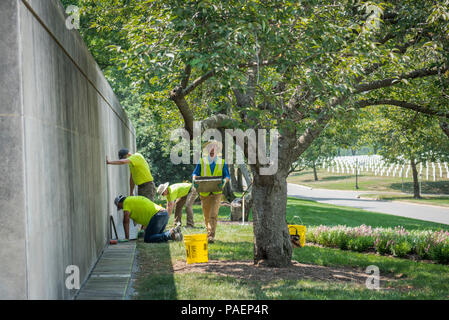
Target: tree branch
[255,64]
[421,73]
[198,82]
[218,121]
[186,76]
[400,48]
[310,134]
[403,104]
[177,96]
[445,127]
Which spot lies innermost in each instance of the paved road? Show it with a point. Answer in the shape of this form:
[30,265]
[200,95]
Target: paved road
[349,199]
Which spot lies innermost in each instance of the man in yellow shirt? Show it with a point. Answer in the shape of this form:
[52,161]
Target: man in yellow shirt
[152,217]
[177,196]
[140,173]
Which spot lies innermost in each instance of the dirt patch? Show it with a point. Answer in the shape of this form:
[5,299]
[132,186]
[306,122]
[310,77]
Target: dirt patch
[246,270]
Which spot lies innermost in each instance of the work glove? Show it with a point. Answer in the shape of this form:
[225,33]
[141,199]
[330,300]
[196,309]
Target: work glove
[196,185]
[222,183]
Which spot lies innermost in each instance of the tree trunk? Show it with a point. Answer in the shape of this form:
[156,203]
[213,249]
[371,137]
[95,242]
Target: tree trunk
[239,180]
[416,191]
[315,175]
[444,125]
[246,174]
[228,191]
[272,245]
[234,184]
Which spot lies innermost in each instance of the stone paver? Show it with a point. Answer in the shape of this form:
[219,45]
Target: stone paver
[112,274]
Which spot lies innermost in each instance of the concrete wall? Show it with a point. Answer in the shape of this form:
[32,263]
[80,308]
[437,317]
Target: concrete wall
[58,120]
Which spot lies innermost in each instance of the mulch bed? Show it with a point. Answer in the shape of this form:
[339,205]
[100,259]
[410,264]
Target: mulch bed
[247,270]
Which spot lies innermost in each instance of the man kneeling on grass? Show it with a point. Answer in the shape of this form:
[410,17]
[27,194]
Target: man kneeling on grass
[152,217]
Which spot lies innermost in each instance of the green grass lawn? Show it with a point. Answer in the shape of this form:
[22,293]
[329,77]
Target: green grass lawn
[163,273]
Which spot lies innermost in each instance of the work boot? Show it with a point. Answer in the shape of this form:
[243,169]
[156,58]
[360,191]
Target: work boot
[179,236]
[177,228]
[176,235]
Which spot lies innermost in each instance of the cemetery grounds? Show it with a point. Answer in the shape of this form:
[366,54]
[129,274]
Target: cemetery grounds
[379,180]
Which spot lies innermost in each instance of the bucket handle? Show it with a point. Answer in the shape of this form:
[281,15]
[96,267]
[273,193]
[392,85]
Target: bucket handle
[298,218]
[296,231]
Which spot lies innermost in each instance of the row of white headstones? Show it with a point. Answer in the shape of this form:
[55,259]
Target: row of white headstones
[379,167]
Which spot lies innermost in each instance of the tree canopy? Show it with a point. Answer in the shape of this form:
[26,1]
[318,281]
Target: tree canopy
[289,65]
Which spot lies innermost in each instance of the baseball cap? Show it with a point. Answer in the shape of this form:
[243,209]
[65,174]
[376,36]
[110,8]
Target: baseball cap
[119,199]
[123,153]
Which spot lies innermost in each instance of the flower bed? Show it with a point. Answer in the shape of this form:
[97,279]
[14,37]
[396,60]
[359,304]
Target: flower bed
[433,245]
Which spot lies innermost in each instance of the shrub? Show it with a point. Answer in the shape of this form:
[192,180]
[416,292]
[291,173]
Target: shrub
[439,248]
[383,245]
[421,245]
[398,241]
[360,244]
[440,253]
[341,240]
[401,249]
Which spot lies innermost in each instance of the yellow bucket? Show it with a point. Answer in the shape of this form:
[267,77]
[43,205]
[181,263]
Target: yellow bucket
[196,248]
[297,230]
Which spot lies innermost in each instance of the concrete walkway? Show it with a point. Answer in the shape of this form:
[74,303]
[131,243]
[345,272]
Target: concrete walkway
[349,199]
[111,276]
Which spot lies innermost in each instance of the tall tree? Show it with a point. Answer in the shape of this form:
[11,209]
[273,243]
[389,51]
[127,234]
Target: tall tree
[288,65]
[407,138]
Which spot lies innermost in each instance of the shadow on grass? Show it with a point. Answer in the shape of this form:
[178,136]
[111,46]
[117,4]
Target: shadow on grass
[430,187]
[244,280]
[336,178]
[156,274]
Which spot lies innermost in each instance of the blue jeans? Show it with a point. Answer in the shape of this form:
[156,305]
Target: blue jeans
[154,233]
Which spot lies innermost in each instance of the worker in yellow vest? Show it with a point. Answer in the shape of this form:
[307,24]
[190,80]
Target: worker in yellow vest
[151,216]
[211,165]
[140,173]
[178,195]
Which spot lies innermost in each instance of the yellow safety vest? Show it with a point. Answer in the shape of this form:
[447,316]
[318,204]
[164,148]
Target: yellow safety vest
[205,171]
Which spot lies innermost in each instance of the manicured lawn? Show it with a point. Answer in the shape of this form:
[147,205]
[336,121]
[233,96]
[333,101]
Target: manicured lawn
[367,181]
[163,273]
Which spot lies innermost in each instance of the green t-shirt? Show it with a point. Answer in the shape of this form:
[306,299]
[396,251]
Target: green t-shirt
[141,209]
[140,170]
[178,190]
